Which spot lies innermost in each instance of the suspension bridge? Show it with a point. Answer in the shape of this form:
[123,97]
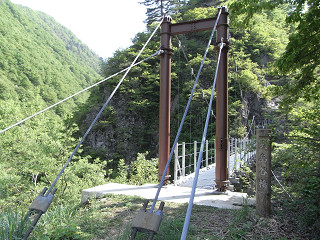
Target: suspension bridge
[218,162]
[241,152]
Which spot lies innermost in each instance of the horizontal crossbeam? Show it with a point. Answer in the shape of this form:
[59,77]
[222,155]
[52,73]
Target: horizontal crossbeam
[193,26]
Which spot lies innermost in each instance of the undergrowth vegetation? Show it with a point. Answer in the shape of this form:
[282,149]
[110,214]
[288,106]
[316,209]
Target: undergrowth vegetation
[110,218]
[66,218]
[138,172]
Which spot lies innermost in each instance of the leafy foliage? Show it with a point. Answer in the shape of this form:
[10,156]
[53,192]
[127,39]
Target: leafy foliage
[137,100]
[298,160]
[301,58]
[298,157]
[158,8]
[12,224]
[274,50]
[144,171]
[41,63]
[139,172]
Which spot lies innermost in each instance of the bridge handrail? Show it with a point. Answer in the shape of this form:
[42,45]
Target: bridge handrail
[240,151]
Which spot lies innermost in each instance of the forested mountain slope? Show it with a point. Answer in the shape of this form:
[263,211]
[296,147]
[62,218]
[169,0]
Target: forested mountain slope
[41,57]
[41,62]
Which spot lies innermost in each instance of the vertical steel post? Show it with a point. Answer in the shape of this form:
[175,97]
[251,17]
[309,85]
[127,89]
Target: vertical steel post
[176,159]
[183,159]
[235,154]
[195,157]
[207,153]
[165,96]
[222,105]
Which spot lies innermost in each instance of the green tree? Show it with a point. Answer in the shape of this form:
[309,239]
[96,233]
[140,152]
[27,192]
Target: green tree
[298,88]
[158,8]
[41,63]
[301,59]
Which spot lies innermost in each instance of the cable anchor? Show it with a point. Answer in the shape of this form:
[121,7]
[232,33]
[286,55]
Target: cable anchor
[221,45]
[42,202]
[147,222]
[160,52]
[39,205]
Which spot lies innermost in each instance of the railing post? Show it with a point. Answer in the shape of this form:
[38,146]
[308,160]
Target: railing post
[212,153]
[229,154]
[183,159]
[215,152]
[231,146]
[207,153]
[176,159]
[250,152]
[195,154]
[245,150]
[240,152]
[236,153]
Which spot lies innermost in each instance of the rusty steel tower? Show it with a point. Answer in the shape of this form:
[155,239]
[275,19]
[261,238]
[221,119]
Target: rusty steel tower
[168,30]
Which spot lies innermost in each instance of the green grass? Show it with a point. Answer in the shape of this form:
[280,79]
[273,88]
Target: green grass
[12,225]
[111,217]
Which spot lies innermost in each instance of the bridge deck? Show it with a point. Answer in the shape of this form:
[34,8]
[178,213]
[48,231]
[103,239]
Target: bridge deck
[205,195]
[205,180]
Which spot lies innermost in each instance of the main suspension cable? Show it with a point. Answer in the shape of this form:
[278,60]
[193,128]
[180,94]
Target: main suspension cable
[195,180]
[184,116]
[73,95]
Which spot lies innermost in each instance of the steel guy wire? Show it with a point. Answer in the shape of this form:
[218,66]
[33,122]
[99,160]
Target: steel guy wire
[250,129]
[184,116]
[192,71]
[90,127]
[195,180]
[281,185]
[83,90]
[101,110]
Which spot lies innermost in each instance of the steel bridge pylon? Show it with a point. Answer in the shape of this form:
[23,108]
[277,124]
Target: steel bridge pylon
[167,31]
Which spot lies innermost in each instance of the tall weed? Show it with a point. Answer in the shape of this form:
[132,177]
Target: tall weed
[12,225]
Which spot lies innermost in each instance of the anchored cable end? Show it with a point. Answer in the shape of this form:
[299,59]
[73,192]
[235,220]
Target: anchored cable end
[221,45]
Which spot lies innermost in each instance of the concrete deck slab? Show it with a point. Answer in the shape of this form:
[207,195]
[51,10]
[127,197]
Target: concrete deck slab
[205,179]
[170,193]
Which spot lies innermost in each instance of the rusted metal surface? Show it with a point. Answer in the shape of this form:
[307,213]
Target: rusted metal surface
[165,96]
[222,105]
[167,30]
[193,26]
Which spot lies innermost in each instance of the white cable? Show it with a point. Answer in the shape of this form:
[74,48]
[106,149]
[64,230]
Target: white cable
[83,90]
[281,185]
[100,112]
[250,129]
[195,180]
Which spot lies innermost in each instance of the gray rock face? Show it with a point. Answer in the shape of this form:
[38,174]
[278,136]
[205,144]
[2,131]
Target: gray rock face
[121,132]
